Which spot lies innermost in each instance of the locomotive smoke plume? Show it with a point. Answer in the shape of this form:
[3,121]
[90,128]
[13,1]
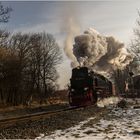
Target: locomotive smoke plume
[100,53]
[72,29]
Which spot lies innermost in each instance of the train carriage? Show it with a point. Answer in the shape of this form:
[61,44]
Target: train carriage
[133,86]
[136,81]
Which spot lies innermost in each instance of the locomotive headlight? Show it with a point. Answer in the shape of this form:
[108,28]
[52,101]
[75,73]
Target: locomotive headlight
[86,88]
[72,90]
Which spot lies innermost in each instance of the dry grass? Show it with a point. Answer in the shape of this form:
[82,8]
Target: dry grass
[59,97]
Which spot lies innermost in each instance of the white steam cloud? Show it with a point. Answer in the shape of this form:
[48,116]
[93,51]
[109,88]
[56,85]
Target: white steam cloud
[72,29]
[100,53]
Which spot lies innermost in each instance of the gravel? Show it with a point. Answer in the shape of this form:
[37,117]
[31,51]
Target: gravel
[32,129]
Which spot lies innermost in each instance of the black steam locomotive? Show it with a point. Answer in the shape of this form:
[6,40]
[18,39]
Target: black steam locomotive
[86,87]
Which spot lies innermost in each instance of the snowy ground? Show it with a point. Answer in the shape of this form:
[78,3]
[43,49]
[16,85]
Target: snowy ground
[119,124]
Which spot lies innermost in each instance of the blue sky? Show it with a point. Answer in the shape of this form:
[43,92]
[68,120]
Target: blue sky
[116,18]
[108,17]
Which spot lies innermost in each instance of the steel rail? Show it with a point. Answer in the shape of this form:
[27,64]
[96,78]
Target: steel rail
[36,116]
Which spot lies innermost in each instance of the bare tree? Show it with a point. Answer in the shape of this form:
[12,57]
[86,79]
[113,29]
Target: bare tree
[135,48]
[4,52]
[20,45]
[28,67]
[123,78]
[4,13]
[46,55]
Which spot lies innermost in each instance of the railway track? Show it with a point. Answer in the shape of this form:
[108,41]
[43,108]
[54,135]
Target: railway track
[36,116]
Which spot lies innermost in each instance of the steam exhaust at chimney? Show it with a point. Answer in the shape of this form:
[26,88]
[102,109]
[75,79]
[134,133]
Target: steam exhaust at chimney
[72,29]
[102,54]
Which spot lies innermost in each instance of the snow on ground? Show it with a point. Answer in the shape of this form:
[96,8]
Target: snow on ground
[120,124]
[108,101]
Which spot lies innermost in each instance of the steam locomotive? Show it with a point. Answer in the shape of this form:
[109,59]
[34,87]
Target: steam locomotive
[86,87]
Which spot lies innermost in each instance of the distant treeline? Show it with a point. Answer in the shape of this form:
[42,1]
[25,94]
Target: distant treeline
[27,67]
